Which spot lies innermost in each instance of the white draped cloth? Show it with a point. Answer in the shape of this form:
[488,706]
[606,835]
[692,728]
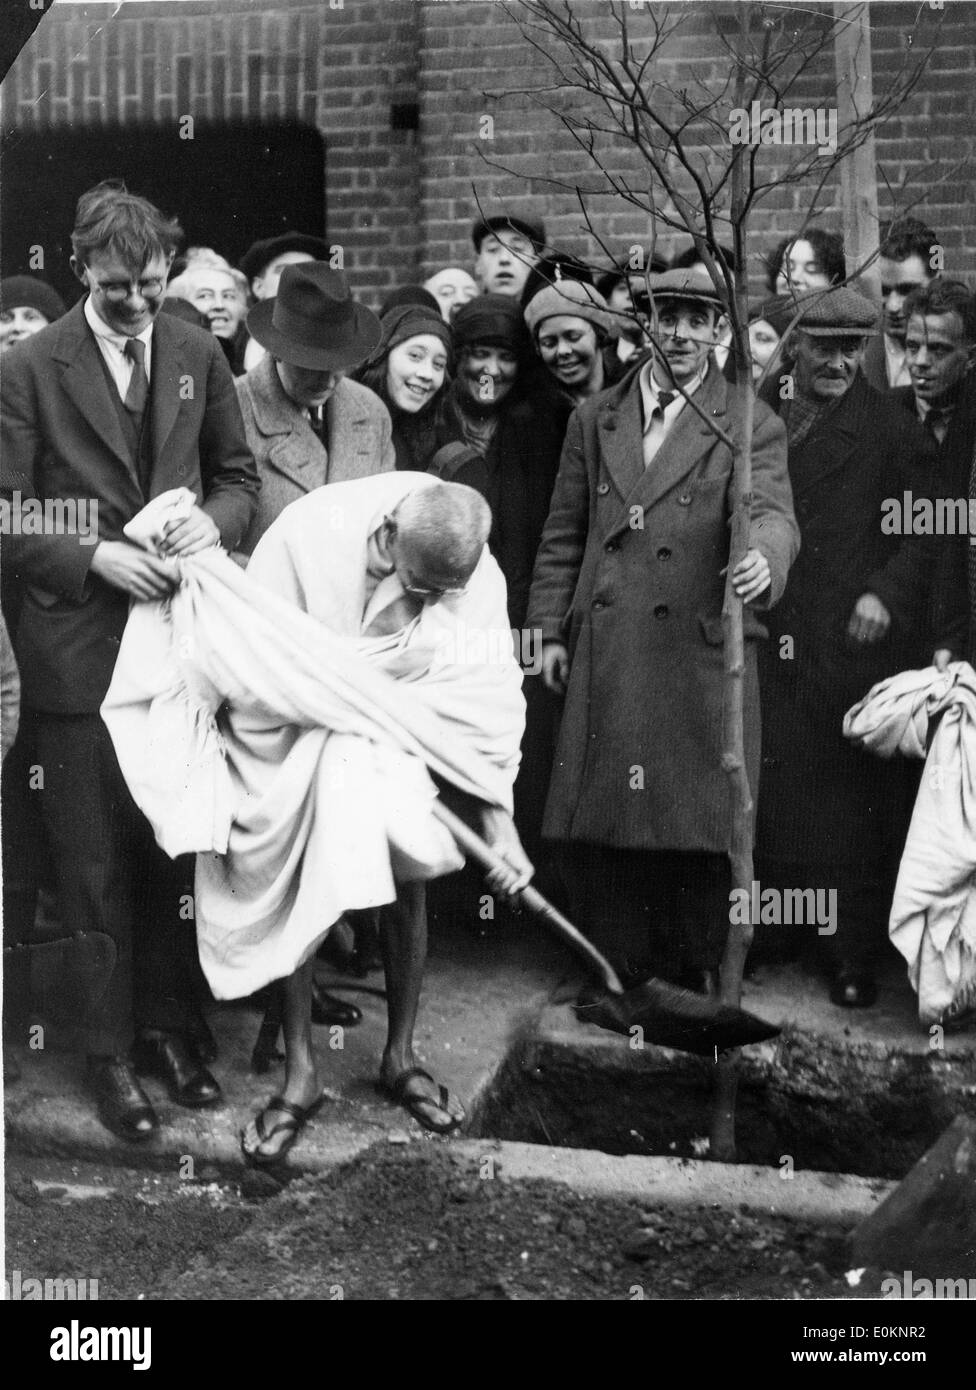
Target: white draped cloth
[257,727]
[933,913]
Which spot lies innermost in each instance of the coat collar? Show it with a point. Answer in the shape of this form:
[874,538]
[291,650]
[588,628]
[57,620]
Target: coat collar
[274,411]
[620,423]
[86,384]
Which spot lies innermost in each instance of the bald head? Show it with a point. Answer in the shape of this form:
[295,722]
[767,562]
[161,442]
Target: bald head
[442,531]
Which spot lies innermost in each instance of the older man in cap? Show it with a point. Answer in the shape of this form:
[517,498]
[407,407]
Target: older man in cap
[832,817]
[507,247]
[305,423]
[627,592]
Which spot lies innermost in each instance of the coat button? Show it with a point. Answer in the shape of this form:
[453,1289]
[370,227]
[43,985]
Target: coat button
[598,603]
[661,610]
[664,553]
[611,546]
[602,489]
[685,499]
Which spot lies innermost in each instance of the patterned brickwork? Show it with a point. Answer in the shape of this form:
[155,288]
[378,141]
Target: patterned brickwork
[400,200]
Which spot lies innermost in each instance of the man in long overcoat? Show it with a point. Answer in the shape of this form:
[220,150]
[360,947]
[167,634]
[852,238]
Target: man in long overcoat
[832,817]
[627,592]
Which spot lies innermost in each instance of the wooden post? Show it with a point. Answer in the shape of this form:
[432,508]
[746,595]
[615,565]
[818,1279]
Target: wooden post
[858,172]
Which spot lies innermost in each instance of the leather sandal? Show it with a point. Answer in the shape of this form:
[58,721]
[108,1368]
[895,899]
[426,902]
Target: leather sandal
[297,1117]
[412,1103]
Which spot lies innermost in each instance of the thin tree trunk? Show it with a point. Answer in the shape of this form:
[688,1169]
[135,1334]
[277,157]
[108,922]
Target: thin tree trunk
[739,936]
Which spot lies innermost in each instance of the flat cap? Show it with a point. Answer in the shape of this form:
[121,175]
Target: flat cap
[532,227]
[835,312]
[686,283]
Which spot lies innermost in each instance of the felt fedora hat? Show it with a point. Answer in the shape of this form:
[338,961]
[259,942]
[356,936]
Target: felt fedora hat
[313,320]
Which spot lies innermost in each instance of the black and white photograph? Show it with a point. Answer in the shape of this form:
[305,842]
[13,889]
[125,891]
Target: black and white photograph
[488,803]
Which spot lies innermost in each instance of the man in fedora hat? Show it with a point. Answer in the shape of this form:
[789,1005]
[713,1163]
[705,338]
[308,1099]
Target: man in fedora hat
[627,592]
[305,423]
[262,264]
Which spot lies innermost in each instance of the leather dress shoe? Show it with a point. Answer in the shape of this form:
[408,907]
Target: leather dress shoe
[123,1106]
[202,1040]
[326,1008]
[168,1057]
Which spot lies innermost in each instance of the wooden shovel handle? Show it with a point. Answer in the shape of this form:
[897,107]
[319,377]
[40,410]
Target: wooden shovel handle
[477,848]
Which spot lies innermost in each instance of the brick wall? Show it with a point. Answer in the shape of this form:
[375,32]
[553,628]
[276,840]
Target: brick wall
[400,201]
[471,54]
[340,70]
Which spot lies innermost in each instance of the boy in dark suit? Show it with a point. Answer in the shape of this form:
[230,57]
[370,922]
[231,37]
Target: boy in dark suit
[106,409]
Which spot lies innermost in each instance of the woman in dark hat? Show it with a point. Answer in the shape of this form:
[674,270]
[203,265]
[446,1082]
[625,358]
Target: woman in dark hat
[504,438]
[408,372]
[26,306]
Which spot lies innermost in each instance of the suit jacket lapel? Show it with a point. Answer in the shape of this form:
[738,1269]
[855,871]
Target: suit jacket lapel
[345,422]
[86,385]
[275,415]
[168,370]
[684,447]
[620,427]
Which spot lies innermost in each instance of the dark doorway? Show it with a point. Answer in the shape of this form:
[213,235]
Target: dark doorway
[229,186]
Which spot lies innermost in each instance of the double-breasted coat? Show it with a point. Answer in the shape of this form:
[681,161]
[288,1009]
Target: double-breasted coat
[290,457]
[629,575]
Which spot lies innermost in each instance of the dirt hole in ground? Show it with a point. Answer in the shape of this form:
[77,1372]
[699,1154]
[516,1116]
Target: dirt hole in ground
[823,1112]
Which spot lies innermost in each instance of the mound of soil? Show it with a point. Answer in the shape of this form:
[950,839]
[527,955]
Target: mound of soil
[415,1222]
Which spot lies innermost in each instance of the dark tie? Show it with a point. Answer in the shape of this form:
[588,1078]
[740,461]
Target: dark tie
[138,392]
[664,399]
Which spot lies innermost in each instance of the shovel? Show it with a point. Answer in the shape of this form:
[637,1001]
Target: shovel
[667,1014]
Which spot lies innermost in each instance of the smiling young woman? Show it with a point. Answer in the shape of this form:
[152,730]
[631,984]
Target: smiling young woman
[408,372]
[570,324]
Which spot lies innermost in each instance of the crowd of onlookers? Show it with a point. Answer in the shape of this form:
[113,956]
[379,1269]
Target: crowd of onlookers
[580,408]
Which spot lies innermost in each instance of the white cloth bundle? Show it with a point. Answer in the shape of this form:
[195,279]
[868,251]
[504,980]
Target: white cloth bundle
[312,796]
[933,913]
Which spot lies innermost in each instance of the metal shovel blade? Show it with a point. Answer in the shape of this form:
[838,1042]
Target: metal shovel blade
[673,1017]
[669,1015]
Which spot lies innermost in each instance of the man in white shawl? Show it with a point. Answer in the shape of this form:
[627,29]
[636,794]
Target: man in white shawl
[399,564]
